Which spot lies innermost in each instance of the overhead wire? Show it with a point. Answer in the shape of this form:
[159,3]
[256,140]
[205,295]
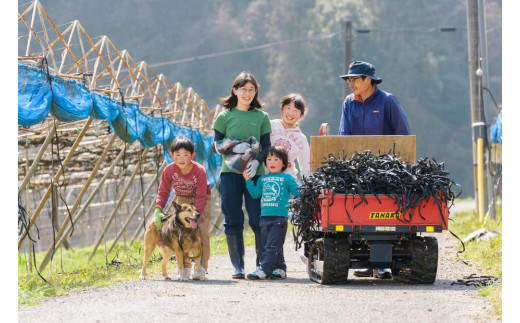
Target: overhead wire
[242,50]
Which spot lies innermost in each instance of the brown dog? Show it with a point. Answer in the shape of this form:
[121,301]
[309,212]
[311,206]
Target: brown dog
[179,233]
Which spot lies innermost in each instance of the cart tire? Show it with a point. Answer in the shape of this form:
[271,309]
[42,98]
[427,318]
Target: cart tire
[329,261]
[422,265]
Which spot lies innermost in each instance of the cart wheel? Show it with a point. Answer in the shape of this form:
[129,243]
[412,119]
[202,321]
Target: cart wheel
[422,266]
[329,261]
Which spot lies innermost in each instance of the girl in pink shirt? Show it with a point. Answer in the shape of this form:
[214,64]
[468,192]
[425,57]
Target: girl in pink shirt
[286,132]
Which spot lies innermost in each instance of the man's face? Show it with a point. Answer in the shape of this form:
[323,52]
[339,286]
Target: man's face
[360,86]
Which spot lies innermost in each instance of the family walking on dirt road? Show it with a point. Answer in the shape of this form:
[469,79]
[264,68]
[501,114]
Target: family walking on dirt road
[249,142]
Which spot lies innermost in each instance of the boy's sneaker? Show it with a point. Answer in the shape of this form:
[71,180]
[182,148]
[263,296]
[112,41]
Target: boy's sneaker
[257,274]
[278,274]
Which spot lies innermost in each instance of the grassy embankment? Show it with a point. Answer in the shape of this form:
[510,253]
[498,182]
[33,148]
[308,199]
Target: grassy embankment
[485,254]
[70,270]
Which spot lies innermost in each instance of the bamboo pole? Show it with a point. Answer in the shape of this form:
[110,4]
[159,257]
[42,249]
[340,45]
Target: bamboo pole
[61,38]
[131,216]
[159,82]
[87,70]
[38,157]
[78,201]
[140,228]
[93,194]
[99,54]
[121,56]
[64,53]
[153,94]
[28,209]
[29,8]
[54,206]
[27,51]
[186,106]
[46,36]
[29,130]
[96,63]
[56,178]
[480,178]
[217,224]
[82,58]
[125,190]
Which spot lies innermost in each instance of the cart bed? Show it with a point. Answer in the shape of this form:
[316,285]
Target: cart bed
[379,215]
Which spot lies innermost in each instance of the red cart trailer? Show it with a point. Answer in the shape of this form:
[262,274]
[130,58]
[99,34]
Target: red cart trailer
[371,231]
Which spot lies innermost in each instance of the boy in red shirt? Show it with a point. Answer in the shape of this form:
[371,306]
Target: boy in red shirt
[188,180]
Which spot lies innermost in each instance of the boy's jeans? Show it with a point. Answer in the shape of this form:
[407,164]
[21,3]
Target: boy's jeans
[273,231]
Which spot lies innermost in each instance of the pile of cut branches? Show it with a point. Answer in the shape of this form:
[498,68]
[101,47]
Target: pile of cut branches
[409,185]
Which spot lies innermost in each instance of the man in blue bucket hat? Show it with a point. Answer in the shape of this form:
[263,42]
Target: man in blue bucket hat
[369,110]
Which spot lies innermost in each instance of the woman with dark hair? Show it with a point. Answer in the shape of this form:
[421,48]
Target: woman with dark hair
[242,134]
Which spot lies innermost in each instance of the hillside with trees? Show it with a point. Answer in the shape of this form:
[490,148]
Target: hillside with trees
[298,46]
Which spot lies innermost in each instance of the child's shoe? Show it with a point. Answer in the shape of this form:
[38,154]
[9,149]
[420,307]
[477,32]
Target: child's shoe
[278,274]
[257,274]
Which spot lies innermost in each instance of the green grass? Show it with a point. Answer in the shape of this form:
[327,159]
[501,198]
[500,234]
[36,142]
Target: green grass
[71,271]
[485,254]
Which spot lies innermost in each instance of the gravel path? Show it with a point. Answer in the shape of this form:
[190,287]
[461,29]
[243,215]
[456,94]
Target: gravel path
[295,299]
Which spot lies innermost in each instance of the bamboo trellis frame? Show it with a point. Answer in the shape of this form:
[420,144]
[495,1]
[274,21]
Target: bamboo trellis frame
[96,62]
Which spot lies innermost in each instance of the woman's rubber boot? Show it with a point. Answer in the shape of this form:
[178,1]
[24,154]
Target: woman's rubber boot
[235,244]
[259,247]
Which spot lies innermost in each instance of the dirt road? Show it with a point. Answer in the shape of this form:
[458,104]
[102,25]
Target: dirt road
[295,299]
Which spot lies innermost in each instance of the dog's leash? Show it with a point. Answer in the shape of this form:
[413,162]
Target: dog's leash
[166,217]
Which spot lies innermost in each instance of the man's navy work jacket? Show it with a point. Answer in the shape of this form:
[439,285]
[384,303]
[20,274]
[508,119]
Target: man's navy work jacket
[379,114]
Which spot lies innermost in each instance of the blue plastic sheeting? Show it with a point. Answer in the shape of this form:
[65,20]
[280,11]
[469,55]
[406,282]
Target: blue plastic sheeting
[130,123]
[103,108]
[71,101]
[157,132]
[213,163]
[34,96]
[496,130]
[193,135]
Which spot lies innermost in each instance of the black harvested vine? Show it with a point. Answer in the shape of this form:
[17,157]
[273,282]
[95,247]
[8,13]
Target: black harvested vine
[409,185]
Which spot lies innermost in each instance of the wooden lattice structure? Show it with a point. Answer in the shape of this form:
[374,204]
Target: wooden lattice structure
[81,170]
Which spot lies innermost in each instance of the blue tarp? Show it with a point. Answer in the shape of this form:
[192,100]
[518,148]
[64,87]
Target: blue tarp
[496,130]
[103,108]
[34,96]
[70,101]
[157,132]
[130,123]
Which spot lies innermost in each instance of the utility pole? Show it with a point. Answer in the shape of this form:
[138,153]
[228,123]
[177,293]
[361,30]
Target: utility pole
[485,102]
[478,124]
[483,47]
[348,52]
